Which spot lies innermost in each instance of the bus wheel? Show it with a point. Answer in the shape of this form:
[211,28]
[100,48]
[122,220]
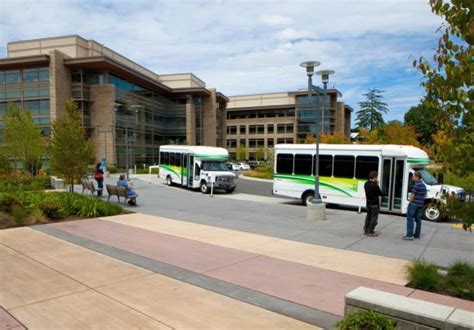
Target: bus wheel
[307,198]
[204,188]
[169,182]
[431,212]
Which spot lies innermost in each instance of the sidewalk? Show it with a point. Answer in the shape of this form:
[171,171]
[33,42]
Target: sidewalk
[142,270]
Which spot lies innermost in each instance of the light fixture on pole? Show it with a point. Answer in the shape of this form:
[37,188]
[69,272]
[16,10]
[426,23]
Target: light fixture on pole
[309,65]
[325,79]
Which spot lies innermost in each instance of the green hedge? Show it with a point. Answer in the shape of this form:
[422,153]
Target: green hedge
[23,182]
[38,206]
[365,320]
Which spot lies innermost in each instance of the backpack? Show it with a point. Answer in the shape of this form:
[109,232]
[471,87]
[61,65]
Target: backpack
[98,176]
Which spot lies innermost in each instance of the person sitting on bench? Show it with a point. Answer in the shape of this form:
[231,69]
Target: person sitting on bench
[132,194]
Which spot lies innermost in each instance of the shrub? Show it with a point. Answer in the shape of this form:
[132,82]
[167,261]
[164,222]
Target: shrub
[19,214]
[52,209]
[424,276]
[366,320]
[8,201]
[460,280]
[261,172]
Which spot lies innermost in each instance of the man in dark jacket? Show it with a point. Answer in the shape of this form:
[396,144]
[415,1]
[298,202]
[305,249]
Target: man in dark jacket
[372,193]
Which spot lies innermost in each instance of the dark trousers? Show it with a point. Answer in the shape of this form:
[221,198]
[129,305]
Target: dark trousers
[371,218]
[100,186]
[414,216]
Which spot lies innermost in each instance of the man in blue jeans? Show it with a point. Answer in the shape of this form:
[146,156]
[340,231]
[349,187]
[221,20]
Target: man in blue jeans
[417,200]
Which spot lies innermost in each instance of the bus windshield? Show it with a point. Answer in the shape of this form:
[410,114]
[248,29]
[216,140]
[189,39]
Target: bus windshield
[428,178]
[215,166]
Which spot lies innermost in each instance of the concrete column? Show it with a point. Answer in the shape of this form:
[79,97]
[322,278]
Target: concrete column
[102,114]
[340,118]
[209,115]
[59,84]
[190,122]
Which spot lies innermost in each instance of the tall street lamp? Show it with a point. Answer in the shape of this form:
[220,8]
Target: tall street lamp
[309,65]
[325,79]
[134,108]
[104,132]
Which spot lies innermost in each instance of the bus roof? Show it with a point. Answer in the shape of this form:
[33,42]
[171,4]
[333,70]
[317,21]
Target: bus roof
[384,149]
[196,150]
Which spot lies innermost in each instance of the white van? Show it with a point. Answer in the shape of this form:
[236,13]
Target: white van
[344,168]
[196,167]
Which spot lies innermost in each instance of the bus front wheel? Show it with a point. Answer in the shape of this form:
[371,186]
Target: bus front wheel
[431,212]
[169,182]
[204,188]
[307,198]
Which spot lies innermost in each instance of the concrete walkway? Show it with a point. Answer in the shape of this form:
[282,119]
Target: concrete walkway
[139,270]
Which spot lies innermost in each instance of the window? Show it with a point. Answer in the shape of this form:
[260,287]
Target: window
[344,167]
[289,128]
[270,128]
[252,156]
[243,129]
[303,164]
[177,159]
[166,159]
[281,128]
[270,143]
[253,129]
[231,130]
[325,165]
[43,74]
[279,141]
[252,143]
[364,165]
[172,157]
[261,129]
[260,142]
[12,77]
[284,164]
[232,143]
[30,75]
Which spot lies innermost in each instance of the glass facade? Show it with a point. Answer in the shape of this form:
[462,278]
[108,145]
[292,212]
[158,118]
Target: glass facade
[310,114]
[151,119]
[198,110]
[28,89]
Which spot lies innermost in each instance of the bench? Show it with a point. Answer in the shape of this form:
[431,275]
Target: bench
[88,185]
[119,192]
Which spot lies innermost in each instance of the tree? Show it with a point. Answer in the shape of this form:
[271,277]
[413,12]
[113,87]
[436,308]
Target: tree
[426,119]
[23,139]
[242,152]
[333,138]
[309,139]
[260,153]
[393,133]
[70,152]
[370,114]
[448,82]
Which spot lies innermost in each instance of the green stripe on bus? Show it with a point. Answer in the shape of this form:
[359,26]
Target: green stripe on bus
[173,169]
[212,156]
[419,160]
[351,184]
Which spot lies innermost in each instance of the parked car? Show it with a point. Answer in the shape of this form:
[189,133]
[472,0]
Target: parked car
[244,166]
[234,166]
[253,163]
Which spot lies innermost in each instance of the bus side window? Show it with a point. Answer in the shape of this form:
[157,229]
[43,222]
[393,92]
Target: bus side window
[303,164]
[325,165]
[364,165]
[284,164]
[166,160]
[344,167]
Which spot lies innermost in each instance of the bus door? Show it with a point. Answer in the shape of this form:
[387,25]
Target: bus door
[190,168]
[392,183]
[184,170]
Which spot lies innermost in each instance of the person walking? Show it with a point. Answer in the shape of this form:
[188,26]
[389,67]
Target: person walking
[417,200]
[99,177]
[372,194]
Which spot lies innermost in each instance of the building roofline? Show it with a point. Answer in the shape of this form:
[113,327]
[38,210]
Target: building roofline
[263,108]
[183,73]
[47,38]
[298,92]
[24,60]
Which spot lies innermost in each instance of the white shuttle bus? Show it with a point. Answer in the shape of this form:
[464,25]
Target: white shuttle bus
[344,168]
[196,167]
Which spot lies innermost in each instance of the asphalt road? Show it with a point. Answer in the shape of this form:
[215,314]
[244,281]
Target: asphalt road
[253,187]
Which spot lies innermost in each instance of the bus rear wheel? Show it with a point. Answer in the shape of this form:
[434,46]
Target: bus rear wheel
[431,212]
[307,198]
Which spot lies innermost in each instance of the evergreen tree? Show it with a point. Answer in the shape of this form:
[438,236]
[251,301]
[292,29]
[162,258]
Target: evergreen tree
[23,139]
[370,114]
[70,152]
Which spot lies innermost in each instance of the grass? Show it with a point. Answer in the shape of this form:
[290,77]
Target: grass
[260,172]
[458,282]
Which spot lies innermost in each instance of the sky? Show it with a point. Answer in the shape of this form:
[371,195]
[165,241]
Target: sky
[251,46]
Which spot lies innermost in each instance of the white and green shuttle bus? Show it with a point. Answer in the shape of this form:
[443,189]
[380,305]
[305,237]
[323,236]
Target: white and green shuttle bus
[195,167]
[344,168]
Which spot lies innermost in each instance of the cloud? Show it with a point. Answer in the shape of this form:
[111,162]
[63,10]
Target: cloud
[245,46]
